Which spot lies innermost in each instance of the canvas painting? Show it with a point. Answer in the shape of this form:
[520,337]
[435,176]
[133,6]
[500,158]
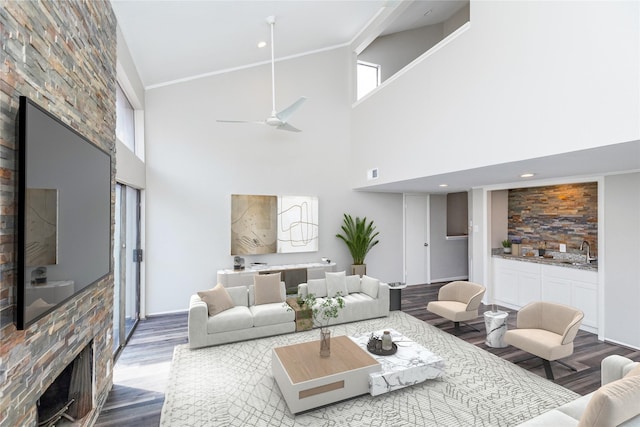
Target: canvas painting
[253,224]
[297,224]
[41,227]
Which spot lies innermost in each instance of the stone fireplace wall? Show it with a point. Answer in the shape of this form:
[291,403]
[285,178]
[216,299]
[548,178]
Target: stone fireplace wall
[62,55]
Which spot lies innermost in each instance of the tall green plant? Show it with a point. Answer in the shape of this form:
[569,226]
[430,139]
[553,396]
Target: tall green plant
[359,237]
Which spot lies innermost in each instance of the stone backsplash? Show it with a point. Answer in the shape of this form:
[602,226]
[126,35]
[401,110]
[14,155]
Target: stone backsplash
[545,217]
[62,55]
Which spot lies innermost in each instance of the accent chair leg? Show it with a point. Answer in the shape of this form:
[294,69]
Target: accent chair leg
[456,326]
[567,365]
[547,369]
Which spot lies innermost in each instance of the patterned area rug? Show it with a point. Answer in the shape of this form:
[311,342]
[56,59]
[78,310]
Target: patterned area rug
[232,385]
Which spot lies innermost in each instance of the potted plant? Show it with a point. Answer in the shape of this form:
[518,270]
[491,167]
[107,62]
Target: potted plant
[359,237]
[322,312]
[506,246]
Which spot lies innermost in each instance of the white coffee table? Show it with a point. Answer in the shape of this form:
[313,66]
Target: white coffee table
[411,364]
[308,381]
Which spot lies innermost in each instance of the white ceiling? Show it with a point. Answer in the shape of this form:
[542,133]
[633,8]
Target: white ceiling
[172,40]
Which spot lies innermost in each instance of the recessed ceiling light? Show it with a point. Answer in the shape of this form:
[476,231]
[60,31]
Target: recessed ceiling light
[443,185]
[262,44]
[527,175]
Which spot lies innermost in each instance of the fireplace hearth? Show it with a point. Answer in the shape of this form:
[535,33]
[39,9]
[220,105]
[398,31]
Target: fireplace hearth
[70,397]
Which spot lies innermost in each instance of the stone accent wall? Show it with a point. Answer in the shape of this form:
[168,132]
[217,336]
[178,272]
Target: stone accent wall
[62,55]
[547,216]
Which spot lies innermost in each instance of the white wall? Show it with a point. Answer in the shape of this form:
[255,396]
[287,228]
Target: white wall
[448,256]
[394,51]
[194,165]
[528,79]
[622,259]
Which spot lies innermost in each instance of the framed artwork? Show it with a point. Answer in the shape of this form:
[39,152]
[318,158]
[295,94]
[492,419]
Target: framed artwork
[297,224]
[273,224]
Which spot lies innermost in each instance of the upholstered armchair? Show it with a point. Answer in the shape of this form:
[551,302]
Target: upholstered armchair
[458,301]
[546,330]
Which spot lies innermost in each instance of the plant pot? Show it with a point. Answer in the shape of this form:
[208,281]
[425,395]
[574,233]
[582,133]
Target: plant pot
[325,343]
[359,269]
[506,250]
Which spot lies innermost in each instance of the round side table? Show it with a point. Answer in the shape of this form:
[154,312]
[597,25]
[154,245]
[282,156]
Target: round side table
[395,295]
[495,323]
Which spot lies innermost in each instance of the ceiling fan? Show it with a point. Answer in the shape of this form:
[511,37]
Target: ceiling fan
[279,120]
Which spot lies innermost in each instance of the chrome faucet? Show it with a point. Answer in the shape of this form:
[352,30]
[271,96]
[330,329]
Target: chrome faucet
[582,245]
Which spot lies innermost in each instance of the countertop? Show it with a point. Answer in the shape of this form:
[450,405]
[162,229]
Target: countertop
[560,262]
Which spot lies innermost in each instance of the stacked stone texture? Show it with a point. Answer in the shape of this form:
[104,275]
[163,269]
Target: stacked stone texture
[62,55]
[547,216]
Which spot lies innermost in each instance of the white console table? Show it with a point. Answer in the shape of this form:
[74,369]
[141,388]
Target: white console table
[315,270]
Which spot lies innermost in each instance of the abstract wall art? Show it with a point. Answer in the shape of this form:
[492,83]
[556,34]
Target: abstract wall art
[273,224]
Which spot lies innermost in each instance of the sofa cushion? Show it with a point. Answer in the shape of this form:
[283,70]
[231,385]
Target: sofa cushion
[613,403]
[271,314]
[353,284]
[236,318]
[336,283]
[267,288]
[370,286]
[317,287]
[576,407]
[217,299]
[553,418]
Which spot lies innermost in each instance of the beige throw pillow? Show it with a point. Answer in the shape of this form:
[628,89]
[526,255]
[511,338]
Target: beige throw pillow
[336,284]
[217,299]
[267,288]
[613,403]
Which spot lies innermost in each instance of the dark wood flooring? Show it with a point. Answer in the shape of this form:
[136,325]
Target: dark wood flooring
[141,371]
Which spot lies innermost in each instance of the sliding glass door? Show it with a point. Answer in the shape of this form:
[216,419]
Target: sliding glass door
[127,257]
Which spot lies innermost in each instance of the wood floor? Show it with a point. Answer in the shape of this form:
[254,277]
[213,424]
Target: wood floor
[142,370]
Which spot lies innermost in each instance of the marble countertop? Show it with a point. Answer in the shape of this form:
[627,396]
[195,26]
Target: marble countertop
[560,262]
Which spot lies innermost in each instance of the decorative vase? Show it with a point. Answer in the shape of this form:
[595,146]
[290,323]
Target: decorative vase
[359,269]
[506,250]
[325,343]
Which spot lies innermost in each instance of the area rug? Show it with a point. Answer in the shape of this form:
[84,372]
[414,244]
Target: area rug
[232,385]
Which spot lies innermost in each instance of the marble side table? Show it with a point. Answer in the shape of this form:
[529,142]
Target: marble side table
[496,324]
[412,364]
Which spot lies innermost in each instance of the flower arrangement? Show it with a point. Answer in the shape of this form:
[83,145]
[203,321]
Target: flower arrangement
[324,310]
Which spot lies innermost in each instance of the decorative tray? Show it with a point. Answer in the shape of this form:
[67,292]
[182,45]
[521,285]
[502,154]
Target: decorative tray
[378,351]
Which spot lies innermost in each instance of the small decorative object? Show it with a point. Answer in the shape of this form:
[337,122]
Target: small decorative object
[506,246]
[375,345]
[39,276]
[359,237]
[238,263]
[325,343]
[322,312]
[387,342]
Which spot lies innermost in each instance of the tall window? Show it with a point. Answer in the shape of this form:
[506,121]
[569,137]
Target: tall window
[368,77]
[125,120]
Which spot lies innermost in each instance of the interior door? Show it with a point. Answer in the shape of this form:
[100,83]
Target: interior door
[416,239]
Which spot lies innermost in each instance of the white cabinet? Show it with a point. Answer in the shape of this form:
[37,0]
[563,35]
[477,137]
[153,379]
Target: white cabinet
[577,288]
[517,283]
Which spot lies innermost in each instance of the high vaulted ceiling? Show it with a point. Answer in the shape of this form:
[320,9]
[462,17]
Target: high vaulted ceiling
[173,40]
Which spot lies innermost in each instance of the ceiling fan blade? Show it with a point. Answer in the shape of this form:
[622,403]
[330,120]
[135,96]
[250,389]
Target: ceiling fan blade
[261,122]
[285,114]
[287,126]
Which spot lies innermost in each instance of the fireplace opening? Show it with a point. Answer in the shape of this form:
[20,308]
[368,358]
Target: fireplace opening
[70,397]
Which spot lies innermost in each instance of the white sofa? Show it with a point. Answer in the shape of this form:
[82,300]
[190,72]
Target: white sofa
[614,368]
[242,322]
[364,297]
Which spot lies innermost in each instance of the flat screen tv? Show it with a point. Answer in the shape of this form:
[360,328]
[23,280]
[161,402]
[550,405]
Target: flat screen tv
[64,213]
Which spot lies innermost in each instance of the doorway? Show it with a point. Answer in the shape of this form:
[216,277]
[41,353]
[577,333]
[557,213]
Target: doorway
[416,239]
[127,257]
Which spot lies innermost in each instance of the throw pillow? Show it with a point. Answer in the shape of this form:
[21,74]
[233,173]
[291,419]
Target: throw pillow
[353,284]
[634,372]
[336,283]
[267,288]
[370,286]
[613,403]
[217,299]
